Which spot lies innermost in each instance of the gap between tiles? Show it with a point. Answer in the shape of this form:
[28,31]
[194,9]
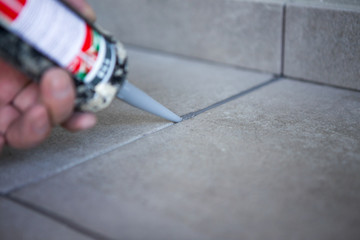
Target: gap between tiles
[319,83]
[283,39]
[59,219]
[229,99]
[84,160]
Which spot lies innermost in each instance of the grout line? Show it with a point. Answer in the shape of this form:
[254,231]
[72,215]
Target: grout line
[229,99]
[58,218]
[283,39]
[320,83]
[85,159]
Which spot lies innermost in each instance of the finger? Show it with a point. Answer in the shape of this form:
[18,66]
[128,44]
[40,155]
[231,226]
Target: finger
[30,129]
[11,82]
[8,114]
[27,98]
[80,121]
[58,94]
[83,8]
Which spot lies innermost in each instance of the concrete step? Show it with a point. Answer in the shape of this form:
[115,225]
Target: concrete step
[307,39]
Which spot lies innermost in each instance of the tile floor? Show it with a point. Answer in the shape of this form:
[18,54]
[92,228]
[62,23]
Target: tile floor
[279,161]
[257,156]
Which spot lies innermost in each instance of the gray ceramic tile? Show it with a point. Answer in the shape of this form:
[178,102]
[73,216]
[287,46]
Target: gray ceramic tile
[280,163]
[322,44]
[19,223]
[241,33]
[182,85]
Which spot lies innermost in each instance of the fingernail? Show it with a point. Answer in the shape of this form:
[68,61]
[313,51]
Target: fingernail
[60,89]
[88,122]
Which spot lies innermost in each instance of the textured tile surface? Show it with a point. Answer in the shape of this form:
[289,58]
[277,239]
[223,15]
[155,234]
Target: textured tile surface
[242,33]
[19,223]
[280,163]
[322,44]
[182,85]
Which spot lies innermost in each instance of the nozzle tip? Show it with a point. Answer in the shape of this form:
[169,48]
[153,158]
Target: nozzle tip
[175,118]
[137,98]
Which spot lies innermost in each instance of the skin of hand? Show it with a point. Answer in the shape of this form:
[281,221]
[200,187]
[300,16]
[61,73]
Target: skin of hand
[28,111]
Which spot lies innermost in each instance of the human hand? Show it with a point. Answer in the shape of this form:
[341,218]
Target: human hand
[28,111]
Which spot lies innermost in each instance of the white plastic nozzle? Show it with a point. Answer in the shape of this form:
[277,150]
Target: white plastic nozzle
[137,98]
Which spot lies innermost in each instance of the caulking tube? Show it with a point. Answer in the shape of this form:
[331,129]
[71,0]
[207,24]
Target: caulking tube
[36,35]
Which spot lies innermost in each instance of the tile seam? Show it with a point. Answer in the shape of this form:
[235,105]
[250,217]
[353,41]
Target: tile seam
[59,219]
[289,77]
[232,98]
[283,39]
[84,160]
